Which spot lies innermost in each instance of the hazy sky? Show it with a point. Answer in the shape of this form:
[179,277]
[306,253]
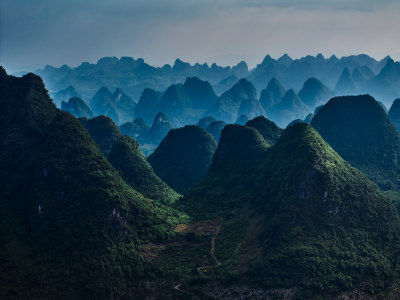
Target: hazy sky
[34,33]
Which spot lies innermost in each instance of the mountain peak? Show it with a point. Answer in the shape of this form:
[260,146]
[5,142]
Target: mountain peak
[3,72]
[161,118]
[314,93]
[103,130]
[180,66]
[268,129]
[127,158]
[240,142]
[272,95]
[183,157]
[248,87]
[345,84]
[268,59]
[77,107]
[358,128]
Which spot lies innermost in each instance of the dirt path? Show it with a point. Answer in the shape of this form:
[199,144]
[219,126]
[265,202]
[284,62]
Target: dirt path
[178,288]
[200,269]
[217,262]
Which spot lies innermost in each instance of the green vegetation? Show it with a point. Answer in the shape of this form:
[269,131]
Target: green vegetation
[183,157]
[266,209]
[360,131]
[268,129]
[127,158]
[70,227]
[296,215]
[103,130]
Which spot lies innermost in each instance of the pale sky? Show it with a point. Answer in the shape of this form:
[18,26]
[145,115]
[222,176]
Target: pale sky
[34,33]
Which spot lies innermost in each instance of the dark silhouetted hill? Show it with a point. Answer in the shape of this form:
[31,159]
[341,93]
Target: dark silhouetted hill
[103,131]
[70,226]
[183,157]
[360,131]
[127,158]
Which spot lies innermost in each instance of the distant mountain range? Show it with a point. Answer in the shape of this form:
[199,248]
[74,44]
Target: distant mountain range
[267,213]
[134,75]
[288,88]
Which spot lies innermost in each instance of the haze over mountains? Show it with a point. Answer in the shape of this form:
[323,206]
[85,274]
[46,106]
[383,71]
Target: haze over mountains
[283,89]
[133,76]
[261,212]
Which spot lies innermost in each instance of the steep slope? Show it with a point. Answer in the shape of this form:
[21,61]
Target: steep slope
[315,93]
[296,215]
[385,85]
[147,105]
[215,128]
[272,95]
[183,157]
[70,227]
[309,118]
[360,131]
[127,158]
[265,71]
[345,84]
[251,107]
[136,129]
[158,130]
[102,104]
[65,94]
[186,103]
[225,84]
[241,69]
[243,119]
[394,114]
[117,106]
[268,129]
[204,122]
[285,60]
[103,130]
[290,108]
[360,75]
[200,93]
[175,103]
[227,106]
[77,107]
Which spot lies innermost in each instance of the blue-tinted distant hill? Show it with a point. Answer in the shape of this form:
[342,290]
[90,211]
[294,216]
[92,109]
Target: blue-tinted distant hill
[117,105]
[293,73]
[77,107]
[134,75]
